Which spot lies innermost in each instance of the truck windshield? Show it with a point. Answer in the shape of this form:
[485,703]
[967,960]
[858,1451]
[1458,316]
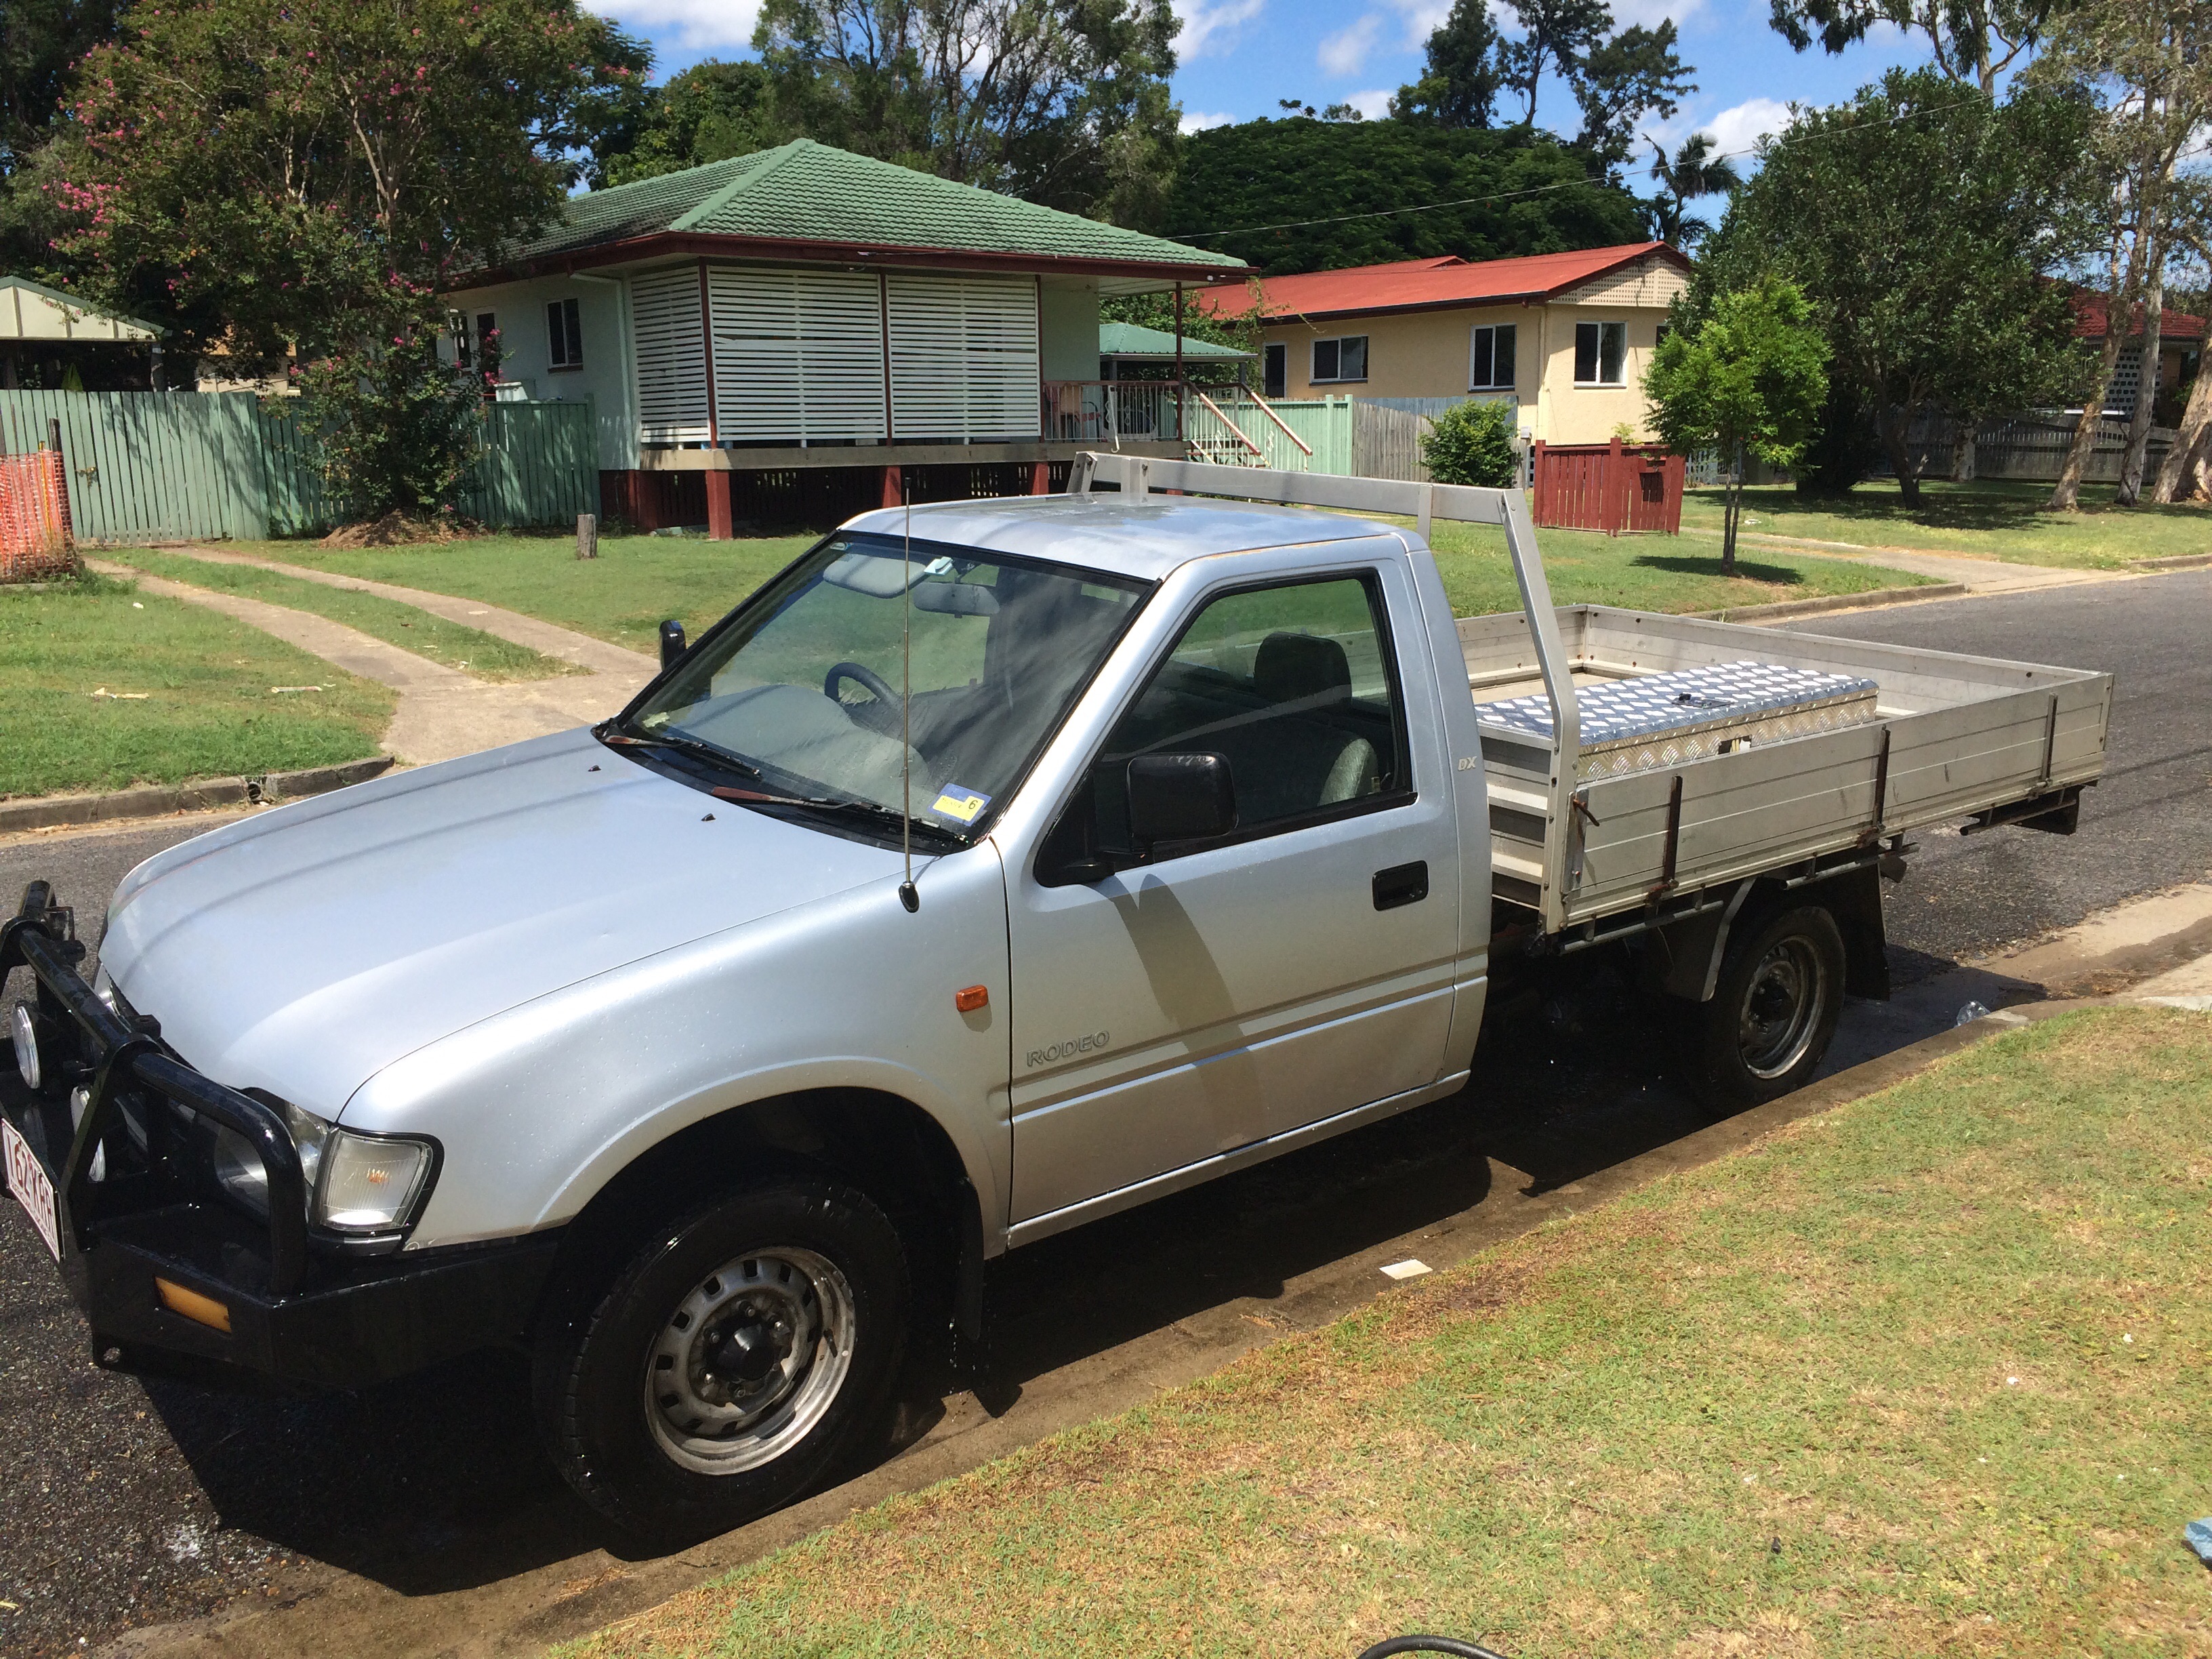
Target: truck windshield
[803,691]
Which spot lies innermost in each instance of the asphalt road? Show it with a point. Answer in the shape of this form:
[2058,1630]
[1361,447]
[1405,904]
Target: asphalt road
[2147,825]
[127,1501]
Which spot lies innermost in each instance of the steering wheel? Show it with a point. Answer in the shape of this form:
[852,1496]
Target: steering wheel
[869,681]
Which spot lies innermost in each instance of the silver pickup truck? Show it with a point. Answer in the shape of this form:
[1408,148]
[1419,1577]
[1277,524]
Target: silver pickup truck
[994,868]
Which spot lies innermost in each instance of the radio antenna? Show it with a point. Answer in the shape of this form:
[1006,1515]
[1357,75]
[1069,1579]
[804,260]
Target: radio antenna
[907,897]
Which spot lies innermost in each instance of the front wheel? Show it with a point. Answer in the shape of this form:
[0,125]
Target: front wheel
[733,1361]
[1773,1012]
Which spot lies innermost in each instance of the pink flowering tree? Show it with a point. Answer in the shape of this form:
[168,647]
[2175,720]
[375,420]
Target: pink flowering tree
[296,181]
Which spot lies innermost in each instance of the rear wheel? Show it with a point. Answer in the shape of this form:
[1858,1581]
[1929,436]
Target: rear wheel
[736,1359]
[1773,1012]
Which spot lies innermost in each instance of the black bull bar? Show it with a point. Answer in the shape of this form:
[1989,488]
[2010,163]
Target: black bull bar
[136,1224]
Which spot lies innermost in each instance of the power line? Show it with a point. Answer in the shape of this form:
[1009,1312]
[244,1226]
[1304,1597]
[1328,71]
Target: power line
[1788,136]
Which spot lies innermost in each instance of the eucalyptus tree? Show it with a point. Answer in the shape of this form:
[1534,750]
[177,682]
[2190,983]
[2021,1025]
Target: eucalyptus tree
[1064,102]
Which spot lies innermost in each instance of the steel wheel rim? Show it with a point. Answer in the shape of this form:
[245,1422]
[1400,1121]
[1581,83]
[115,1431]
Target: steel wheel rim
[748,1364]
[1781,1007]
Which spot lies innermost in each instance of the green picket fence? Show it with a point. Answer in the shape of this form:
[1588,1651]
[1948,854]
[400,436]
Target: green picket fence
[187,466]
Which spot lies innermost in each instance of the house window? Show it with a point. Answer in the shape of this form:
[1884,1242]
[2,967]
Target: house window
[487,344]
[1490,359]
[1600,354]
[1343,359]
[1274,370]
[564,336]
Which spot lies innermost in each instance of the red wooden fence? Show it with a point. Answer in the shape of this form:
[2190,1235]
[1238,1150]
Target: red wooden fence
[34,517]
[1610,487]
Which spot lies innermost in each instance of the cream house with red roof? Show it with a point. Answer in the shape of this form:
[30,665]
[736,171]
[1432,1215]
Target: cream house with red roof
[1564,337]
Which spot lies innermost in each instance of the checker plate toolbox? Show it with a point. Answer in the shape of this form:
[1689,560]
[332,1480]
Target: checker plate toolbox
[1690,714]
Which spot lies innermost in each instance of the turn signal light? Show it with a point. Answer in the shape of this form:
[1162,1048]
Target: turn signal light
[201,1309]
[974,996]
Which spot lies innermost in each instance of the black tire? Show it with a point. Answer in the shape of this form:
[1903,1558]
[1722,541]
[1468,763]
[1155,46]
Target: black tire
[1773,1012]
[715,1297]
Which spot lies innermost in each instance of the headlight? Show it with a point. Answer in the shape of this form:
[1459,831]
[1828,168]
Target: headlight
[237,1167]
[23,1026]
[355,1183]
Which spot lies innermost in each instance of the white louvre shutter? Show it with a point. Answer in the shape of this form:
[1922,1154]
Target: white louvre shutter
[963,357]
[799,355]
[671,357]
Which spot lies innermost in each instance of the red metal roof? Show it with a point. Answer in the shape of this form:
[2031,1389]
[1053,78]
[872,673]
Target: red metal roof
[2089,310]
[1433,284]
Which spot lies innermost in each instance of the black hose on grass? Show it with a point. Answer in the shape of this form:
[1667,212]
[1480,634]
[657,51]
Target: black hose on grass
[1450,1645]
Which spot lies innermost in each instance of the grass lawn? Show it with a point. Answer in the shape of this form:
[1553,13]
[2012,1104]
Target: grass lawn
[621,596]
[1641,573]
[637,580]
[207,709]
[485,655]
[1923,1375]
[1995,520]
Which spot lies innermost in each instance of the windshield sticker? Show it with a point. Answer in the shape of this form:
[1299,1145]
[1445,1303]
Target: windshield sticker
[960,804]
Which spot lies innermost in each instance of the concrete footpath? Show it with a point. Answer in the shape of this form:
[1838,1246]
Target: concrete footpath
[443,713]
[1975,575]
[594,656]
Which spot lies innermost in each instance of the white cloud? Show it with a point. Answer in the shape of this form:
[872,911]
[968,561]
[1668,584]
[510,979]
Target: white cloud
[698,24]
[1652,13]
[1206,24]
[1422,18]
[1196,123]
[1735,131]
[1346,52]
[1741,127]
[1372,104]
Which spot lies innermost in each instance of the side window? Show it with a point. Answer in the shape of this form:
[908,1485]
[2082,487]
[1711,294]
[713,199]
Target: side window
[1292,686]
[1343,359]
[1600,354]
[1490,358]
[564,335]
[1274,368]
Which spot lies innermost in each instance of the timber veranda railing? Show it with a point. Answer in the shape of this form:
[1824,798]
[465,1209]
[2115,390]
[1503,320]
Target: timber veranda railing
[185,465]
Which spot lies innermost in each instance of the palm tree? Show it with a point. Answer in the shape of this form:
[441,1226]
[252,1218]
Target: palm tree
[1694,171]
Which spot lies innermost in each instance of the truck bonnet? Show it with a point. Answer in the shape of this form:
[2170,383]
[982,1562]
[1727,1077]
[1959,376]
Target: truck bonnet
[303,951]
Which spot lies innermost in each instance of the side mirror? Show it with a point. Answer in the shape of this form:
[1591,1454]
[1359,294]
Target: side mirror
[671,643]
[1180,798]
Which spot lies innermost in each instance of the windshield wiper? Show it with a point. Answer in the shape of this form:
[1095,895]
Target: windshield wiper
[888,815]
[697,748]
[724,760]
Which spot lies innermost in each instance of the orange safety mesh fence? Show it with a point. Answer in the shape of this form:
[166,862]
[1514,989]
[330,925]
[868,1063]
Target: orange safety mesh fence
[34,518]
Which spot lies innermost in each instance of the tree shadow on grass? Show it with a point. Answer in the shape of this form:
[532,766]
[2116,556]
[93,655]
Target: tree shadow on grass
[1779,576]
[1989,505]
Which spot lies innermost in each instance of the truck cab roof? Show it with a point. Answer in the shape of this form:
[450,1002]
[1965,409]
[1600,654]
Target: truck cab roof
[1145,537]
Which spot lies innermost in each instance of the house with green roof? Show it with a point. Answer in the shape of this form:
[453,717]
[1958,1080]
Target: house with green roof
[806,324]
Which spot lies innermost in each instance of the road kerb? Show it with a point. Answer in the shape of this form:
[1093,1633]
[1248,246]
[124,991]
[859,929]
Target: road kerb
[1872,600]
[161,800]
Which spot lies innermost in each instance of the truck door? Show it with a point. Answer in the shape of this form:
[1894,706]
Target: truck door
[1205,996]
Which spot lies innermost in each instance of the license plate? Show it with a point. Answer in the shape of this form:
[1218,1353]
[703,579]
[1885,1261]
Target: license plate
[29,1183]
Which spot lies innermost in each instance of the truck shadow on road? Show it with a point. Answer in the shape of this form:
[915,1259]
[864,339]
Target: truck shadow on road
[435,1483]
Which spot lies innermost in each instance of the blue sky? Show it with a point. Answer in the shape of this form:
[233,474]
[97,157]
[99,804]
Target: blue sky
[1239,56]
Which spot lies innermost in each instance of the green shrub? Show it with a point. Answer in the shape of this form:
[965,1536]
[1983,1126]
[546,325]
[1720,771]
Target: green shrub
[1471,443]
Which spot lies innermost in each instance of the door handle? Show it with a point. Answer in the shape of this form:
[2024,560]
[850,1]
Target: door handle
[1401,884]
